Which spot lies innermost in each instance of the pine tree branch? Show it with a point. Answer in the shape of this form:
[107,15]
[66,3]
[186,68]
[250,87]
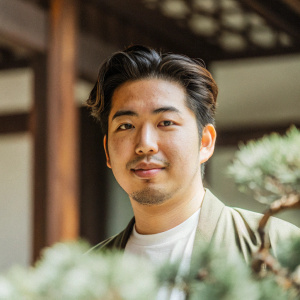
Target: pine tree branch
[263,260]
[291,201]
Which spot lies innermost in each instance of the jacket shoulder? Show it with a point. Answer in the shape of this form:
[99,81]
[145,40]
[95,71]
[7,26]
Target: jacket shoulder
[274,226]
[277,230]
[118,241]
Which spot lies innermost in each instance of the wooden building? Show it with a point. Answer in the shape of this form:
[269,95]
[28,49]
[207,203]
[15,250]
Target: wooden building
[63,41]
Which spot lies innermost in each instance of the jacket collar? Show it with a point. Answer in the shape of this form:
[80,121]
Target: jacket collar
[126,234]
[209,215]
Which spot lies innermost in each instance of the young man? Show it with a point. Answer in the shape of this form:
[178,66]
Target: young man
[157,113]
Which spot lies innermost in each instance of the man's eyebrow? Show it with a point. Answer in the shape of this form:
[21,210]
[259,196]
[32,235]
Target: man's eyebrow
[166,109]
[120,113]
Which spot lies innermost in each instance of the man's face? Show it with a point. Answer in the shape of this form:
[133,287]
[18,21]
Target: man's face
[153,145]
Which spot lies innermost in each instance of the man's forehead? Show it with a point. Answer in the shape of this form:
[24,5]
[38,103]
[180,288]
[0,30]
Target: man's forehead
[150,94]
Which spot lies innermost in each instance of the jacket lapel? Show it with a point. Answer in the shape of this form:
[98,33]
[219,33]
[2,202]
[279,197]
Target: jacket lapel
[210,212]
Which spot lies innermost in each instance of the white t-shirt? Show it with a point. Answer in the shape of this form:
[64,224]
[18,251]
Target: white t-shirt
[171,245]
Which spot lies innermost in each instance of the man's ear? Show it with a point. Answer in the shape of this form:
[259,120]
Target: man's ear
[106,151]
[207,142]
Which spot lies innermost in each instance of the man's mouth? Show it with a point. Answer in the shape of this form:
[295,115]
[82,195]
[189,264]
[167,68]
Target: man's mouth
[147,170]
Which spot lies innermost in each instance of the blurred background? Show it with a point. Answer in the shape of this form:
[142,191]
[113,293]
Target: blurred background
[54,184]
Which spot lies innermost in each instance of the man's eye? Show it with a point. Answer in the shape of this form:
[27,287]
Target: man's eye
[125,126]
[166,123]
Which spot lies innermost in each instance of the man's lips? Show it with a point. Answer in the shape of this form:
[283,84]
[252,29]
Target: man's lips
[147,173]
[147,170]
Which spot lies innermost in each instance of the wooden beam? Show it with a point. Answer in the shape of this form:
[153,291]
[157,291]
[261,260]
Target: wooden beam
[33,35]
[137,26]
[25,24]
[94,180]
[164,32]
[294,5]
[62,127]
[14,64]
[232,137]
[275,18]
[91,54]
[260,52]
[14,123]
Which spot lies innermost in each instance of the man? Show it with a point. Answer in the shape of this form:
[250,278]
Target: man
[157,113]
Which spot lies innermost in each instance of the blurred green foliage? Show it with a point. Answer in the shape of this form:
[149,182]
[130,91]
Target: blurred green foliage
[269,167]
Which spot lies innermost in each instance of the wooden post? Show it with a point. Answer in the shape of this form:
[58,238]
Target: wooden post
[38,128]
[94,181]
[62,125]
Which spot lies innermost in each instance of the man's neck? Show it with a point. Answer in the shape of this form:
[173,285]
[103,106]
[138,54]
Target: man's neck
[159,218]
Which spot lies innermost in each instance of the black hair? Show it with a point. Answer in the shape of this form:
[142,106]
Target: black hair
[139,62]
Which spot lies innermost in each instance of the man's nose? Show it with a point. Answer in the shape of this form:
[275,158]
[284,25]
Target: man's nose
[146,141]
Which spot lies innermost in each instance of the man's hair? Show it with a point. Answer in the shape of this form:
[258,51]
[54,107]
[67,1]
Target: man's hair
[140,62]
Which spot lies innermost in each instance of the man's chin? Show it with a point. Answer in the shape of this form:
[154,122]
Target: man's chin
[150,196]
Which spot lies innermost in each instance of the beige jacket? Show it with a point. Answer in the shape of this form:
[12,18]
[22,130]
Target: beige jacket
[231,229]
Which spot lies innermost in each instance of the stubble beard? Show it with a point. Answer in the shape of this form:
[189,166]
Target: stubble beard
[150,196]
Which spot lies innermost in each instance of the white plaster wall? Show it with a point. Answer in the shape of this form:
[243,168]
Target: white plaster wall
[15,173]
[258,91]
[15,200]
[15,90]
